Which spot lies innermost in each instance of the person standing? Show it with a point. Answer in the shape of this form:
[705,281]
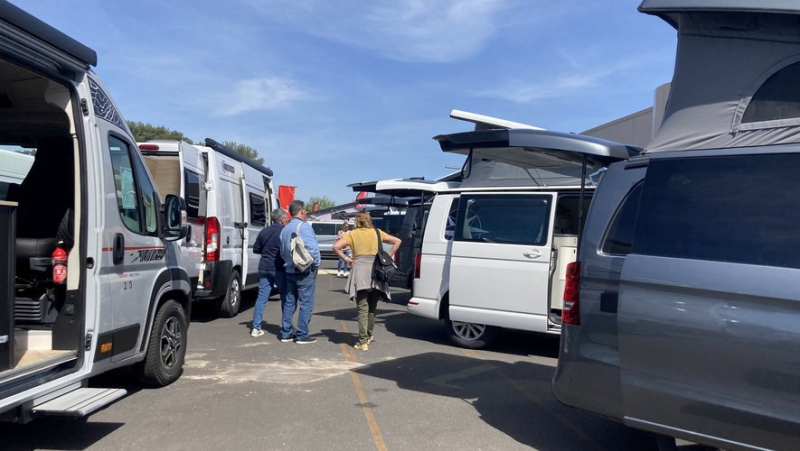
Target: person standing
[343,270]
[271,270]
[300,285]
[364,243]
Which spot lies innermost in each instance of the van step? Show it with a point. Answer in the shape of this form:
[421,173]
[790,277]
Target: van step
[79,403]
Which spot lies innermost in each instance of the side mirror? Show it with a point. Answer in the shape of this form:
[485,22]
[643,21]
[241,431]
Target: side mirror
[176,226]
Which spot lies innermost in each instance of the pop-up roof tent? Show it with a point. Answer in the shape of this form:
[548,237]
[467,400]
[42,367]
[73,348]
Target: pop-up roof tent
[737,74]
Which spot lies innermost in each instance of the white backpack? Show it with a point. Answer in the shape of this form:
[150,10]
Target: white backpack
[301,258]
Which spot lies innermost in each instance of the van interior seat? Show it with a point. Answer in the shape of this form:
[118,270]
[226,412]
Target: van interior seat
[44,197]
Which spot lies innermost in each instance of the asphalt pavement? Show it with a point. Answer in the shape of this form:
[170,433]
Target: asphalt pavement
[413,389]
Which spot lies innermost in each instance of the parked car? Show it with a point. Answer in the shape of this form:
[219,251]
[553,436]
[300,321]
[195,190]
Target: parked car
[681,312]
[230,198]
[495,249]
[91,278]
[327,234]
[416,195]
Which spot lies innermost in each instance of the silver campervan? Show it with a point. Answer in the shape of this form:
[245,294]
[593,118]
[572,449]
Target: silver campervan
[681,314]
[91,277]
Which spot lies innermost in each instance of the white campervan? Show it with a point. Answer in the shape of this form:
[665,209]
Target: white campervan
[91,278]
[495,250]
[229,199]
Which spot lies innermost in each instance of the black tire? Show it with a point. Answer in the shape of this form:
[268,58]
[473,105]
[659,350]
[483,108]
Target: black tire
[469,335]
[228,305]
[166,347]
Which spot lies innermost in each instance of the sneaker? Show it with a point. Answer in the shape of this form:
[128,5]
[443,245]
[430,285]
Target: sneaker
[370,339]
[361,346]
[339,274]
[256,333]
[286,339]
[305,341]
[347,274]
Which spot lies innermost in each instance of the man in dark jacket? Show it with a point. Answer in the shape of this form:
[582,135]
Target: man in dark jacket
[271,271]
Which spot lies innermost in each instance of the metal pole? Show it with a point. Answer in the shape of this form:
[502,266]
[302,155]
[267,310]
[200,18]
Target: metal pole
[580,207]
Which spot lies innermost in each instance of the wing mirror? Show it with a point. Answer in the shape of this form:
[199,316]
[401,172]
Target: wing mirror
[176,226]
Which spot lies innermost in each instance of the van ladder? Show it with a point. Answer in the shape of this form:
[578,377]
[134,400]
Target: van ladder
[79,403]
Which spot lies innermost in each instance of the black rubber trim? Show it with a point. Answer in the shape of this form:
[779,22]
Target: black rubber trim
[125,338]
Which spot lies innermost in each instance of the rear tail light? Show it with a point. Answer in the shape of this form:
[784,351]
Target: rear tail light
[571,313]
[417,265]
[212,239]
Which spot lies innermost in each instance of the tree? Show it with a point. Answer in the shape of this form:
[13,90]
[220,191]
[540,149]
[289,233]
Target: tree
[245,150]
[324,202]
[145,132]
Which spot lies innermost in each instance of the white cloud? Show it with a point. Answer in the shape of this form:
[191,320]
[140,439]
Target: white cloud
[259,94]
[580,76]
[406,30]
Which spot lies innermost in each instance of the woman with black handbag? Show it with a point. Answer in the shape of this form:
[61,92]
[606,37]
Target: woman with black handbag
[365,244]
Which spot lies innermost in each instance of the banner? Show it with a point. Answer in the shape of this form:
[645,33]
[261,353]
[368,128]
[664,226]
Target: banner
[285,195]
[315,207]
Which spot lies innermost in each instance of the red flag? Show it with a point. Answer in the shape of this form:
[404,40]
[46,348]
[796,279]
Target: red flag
[285,195]
[315,207]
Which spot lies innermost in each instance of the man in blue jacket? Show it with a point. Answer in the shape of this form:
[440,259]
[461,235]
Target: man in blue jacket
[271,270]
[300,286]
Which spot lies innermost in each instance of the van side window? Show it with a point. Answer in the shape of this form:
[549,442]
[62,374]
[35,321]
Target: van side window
[258,212]
[192,194]
[452,215]
[125,184]
[739,209]
[147,193]
[506,219]
[619,236]
[778,98]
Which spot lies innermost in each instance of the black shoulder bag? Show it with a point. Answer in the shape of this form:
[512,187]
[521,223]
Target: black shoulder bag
[383,267]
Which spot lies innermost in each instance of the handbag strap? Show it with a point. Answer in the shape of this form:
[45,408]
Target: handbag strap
[379,240]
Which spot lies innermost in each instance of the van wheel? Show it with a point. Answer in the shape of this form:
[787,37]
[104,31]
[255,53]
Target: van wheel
[470,335]
[166,348]
[229,305]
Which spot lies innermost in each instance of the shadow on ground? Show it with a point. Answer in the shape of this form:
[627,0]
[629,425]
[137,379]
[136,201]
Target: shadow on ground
[516,399]
[54,433]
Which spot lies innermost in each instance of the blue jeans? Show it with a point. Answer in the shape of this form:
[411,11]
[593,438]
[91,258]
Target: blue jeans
[343,264]
[266,279]
[299,293]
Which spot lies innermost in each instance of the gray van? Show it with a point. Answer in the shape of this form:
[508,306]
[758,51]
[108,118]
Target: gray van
[681,313]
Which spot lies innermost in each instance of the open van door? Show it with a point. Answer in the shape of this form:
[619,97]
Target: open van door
[501,265]
[242,225]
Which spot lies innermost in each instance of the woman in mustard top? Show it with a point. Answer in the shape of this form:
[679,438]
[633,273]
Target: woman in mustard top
[364,244]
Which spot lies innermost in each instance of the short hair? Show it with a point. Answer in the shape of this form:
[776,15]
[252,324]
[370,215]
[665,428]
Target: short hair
[277,215]
[295,206]
[363,220]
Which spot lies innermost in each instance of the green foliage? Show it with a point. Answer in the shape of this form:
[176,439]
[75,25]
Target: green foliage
[324,202]
[145,132]
[245,150]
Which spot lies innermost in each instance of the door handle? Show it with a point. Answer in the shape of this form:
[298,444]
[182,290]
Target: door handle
[118,253]
[532,254]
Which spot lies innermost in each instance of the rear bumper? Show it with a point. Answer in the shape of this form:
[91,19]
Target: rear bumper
[428,308]
[216,278]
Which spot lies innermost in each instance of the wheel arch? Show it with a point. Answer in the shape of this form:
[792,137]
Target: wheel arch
[171,284]
[444,306]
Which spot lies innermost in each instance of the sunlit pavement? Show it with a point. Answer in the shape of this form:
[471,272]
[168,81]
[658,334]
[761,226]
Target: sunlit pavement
[411,390]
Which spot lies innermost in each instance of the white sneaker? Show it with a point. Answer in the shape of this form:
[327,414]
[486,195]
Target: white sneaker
[347,274]
[256,333]
[339,274]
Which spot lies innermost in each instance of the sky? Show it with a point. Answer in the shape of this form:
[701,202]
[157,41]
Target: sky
[336,92]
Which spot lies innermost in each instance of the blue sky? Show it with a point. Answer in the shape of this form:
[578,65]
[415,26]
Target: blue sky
[335,92]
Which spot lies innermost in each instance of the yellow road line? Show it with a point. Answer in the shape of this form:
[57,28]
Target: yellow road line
[517,386]
[349,354]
